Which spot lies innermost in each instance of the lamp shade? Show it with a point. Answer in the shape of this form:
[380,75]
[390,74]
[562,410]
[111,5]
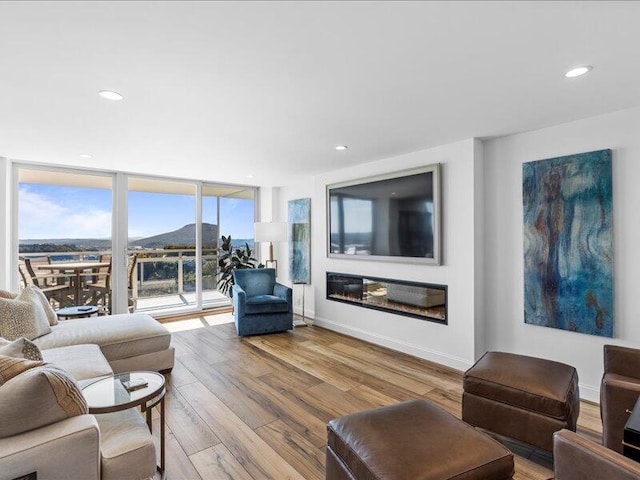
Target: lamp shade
[270,231]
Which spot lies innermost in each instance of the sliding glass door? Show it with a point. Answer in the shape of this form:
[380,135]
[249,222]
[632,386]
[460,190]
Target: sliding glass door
[162,245]
[226,211]
[164,259]
[64,224]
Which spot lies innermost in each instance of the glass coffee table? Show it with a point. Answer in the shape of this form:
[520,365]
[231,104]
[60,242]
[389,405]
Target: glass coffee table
[109,394]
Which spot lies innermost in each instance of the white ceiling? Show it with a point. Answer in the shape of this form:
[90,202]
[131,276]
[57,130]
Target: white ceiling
[220,90]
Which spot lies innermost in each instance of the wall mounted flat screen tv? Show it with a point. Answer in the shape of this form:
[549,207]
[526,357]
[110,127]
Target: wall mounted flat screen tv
[392,217]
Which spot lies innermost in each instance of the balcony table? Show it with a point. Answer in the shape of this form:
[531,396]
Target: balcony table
[76,269]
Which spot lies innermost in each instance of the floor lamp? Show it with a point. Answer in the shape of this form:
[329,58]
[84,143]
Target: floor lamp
[272,232]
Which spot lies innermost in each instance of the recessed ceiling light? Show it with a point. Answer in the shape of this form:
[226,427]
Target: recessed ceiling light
[85,155]
[110,95]
[578,71]
[341,147]
[249,176]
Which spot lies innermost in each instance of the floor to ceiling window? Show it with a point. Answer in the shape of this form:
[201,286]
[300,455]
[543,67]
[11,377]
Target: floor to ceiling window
[65,220]
[226,211]
[64,235]
[162,244]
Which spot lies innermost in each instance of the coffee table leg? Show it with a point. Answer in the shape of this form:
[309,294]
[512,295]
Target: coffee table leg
[162,434]
[149,424]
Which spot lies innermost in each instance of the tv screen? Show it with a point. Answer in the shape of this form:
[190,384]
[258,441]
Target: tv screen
[388,217]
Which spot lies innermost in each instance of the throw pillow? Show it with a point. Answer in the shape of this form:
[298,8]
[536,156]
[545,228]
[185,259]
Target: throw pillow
[37,397]
[48,309]
[20,348]
[23,317]
[11,367]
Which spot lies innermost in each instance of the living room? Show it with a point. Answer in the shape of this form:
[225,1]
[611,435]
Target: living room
[258,96]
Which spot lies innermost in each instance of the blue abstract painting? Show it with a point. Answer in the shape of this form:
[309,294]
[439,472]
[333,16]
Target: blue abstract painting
[568,245]
[300,240]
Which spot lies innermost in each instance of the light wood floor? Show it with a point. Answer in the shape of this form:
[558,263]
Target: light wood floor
[256,408]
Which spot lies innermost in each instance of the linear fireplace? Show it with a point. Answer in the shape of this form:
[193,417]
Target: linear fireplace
[419,300]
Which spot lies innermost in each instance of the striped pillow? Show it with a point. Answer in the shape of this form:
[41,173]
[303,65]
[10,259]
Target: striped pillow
[41,395]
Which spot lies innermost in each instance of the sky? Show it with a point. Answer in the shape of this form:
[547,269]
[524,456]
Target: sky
[51,211]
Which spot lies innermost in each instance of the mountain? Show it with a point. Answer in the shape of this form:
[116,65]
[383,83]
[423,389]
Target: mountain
[183,236]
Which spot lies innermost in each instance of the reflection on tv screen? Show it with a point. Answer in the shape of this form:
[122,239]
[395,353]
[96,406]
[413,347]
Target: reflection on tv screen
[390,217]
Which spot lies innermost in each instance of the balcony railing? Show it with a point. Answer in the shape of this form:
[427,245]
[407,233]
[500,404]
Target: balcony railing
[158,273]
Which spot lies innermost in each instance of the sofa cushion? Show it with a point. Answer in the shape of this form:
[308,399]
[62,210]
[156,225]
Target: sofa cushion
[265,304]
[37,397]
[126,446]
[23,316]
[84,362]
[119,336]
[46,306]
[13,366]
[259,281]
[20,348]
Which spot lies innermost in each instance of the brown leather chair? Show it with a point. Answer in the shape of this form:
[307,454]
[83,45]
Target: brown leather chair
[576,458]
[619,391]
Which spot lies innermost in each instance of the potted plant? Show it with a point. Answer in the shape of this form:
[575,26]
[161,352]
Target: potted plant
[230,259]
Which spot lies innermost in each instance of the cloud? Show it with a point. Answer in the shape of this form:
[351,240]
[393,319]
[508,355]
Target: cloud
[43,217]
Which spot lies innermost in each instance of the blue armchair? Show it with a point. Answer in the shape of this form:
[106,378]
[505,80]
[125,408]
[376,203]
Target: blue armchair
[260,305]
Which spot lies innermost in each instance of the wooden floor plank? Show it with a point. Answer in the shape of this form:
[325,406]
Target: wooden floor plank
[218,463]
[253,453]
[387,363]
[251,412]
[177,462]
[290,412]
[305,457]
[372,396]
[376,368]
[190,431]
[198,342]
[257,407]
[180,375]
[320,370]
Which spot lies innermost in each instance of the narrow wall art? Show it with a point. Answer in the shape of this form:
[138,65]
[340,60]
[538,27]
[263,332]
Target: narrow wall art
[300,240]
[568,244]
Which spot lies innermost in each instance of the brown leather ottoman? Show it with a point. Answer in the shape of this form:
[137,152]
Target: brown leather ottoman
[412,440]
[521,397]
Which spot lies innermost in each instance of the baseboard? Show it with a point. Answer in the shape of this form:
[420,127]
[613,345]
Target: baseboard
[589,393]
[417,351]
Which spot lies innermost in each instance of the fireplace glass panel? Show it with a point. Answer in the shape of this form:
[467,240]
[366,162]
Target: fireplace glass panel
[419,300]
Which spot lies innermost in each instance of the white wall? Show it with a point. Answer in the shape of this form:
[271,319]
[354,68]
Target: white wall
[503,159]
[451,344]
[5,222]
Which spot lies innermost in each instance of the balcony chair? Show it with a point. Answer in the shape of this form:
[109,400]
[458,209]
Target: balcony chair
[260,305]
[619,391]
[131,273]
[99,290]
[54,286]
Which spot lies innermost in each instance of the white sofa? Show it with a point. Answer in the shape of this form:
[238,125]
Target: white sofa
[115,446]
[129,342]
